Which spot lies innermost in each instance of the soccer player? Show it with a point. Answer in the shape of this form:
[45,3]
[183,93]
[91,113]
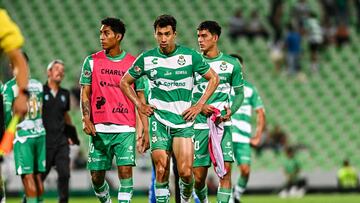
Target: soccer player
[108,116]
[229,71]
[170,68]
[241,136]
[29,142]
[11,41]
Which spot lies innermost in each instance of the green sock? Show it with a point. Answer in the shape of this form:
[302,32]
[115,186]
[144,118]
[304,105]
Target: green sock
[125,190]
[162,192]
[202,193]
[223,195]
[186,189]
[102,192]
[31,200]
[40,199]
[240,187]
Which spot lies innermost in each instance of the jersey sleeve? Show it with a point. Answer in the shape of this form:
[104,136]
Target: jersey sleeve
[140,84]
[237,79]
[10,35]
[137,69]
[86,71]
[199,64]
[256,100]
[9,98]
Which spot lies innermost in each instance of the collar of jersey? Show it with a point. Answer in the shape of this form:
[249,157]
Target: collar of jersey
[215,58]
[170,54]
[117,57]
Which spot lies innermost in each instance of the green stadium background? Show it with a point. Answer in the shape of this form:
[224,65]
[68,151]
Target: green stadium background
[321,113]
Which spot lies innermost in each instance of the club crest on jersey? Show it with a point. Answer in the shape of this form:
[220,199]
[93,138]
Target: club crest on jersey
[223,66]
[181,61]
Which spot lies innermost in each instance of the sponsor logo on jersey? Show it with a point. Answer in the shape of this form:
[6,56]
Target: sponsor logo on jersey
[137,69]
[170,84]
[87,73]
[153,74]
[107,84]
[106,71]
[168,73]
[181,72]
[120,109]
[100,101]
[181,61]
[223,66]
[154,139]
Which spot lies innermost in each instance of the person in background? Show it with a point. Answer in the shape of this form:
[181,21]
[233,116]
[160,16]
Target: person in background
[295,184]
[56,108]
[347,178]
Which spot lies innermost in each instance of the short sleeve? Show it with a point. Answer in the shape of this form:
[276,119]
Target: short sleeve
[86,71]
[140,84]
[237,79]
[256,100]
[199,64]
[137,69]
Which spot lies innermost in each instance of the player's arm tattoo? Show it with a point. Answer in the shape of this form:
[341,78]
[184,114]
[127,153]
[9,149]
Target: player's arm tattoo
[85,106]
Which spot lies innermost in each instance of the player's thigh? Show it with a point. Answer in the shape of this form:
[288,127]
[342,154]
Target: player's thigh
[123,146]
[227,145]
[100,156]
[24,156]
[201,150]
[183,149]
[160,138]
[242,153]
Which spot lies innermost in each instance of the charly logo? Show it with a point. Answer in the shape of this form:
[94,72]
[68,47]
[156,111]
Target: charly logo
[181,61]
[223,66]
[100,101]
[154,61]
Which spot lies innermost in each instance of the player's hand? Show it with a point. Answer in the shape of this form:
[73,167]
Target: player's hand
[88,127]
[207,110]
[191,113]
[226,117]
[255,141]
[20,105]
[146,109]
[142,142]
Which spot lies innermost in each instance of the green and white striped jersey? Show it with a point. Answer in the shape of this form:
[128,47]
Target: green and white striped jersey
[241,120]
[32,125]
[229,70]
[143,84]
[171,81]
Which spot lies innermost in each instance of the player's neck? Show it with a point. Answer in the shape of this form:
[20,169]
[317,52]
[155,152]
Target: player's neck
[114,52]
[212,53]
[53,85]
[168,50]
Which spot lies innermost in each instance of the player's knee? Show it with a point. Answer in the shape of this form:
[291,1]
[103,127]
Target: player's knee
[245,171]
[185,173]
[97,179]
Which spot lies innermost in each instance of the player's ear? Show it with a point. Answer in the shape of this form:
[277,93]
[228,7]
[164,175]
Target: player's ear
[119,36]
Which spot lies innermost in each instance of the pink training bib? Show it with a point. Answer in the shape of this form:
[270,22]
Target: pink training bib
[109,104]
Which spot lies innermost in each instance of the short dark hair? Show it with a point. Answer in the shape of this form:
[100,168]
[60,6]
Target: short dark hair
[165,20]
[212,26]
[240,58]
[115,24]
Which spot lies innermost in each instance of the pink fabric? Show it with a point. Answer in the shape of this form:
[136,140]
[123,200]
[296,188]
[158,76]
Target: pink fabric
[216,132]
[108,103]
